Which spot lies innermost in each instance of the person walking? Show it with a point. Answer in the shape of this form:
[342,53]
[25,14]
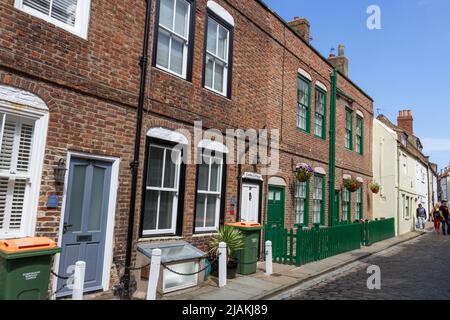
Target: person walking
[436,216]
[421,214]
[445,218]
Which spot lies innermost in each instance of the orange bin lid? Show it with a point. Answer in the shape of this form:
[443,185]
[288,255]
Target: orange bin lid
[244,224]
[26,244]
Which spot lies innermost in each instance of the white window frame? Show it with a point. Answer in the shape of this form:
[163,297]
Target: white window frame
[172,34]
[316,199]
[81,21]
[174,190]
[40,119]
[216,59]
[206,193]
[299,215]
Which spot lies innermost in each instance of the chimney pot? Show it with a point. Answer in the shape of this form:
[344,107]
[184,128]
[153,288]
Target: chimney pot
[341,50]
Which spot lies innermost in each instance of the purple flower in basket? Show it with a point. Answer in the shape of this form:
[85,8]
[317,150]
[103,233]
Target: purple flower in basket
[303,172]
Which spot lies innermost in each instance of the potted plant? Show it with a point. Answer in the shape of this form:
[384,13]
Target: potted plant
[375,187]
[352,184]
[303,172]
[235,241]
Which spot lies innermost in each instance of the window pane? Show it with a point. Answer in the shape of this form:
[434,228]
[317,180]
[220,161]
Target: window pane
[64,11]
[211,211]
[181,18]
[96,205]
[166,210]
[166,13]
[209,72]
[151,210]
[155,165]
[222,50]
[77,197]
[218,77]
[215,177]
[170,168]
[42,6]
[203,173]
[176,56]
[200,211]
[162,54]
[212,36]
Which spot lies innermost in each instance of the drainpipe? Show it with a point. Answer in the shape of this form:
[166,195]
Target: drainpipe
[137,149]
[332,219]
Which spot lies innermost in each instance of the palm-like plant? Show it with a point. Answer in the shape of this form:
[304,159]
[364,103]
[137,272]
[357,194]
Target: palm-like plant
[231,236]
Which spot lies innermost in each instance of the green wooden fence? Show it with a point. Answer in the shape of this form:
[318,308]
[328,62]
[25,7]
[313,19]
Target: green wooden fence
[378,230]
[305,246]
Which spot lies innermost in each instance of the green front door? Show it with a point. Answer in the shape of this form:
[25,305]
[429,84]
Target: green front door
[275,208]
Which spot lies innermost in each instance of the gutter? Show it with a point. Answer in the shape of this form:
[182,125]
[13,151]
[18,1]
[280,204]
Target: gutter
[134,165]
[332,219]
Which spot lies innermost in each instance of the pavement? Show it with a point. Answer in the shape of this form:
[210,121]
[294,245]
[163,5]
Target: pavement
[414,270]
[286,279]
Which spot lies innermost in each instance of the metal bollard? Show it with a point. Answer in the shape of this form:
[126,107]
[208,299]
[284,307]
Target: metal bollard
[154,274]
[269,259]
[78,280]
[222,264]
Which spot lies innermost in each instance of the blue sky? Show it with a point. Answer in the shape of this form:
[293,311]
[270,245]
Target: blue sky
[405,65]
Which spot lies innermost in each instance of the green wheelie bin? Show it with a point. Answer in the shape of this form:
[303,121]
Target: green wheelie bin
[248,257]
[25,266]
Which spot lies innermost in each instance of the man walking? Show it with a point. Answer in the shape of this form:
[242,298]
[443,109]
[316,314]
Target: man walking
[445,218]
[421,214]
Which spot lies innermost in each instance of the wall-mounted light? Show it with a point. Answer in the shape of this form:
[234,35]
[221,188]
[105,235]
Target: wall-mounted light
[60,171]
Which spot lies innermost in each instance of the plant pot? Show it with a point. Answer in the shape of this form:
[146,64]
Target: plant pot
[302,177]
[375,191]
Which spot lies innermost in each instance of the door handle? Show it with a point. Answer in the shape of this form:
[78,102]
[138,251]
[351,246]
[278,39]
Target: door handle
[65,227]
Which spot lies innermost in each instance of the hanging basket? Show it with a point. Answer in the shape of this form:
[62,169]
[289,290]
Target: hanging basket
[352,184]
[303,172]
[375,187]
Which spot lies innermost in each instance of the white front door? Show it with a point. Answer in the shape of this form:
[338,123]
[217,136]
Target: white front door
[250,202]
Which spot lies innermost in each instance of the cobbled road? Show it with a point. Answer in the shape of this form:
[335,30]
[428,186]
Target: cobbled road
[415,270]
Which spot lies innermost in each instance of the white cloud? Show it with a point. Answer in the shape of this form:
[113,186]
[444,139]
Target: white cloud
[436,145]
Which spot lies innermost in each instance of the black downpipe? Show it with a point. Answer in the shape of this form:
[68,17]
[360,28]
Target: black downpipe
[137,149]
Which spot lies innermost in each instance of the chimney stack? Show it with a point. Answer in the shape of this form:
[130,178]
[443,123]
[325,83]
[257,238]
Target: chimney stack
[340,62]
[301,27]
[405,121]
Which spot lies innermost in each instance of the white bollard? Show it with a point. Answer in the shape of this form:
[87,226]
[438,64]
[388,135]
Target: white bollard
[222,264]
[78,280]
[153,279]
[269,259]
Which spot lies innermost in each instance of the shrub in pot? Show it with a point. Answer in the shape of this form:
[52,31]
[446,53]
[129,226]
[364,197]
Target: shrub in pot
[235,241]
[352,184]
[303,172]
[375,187]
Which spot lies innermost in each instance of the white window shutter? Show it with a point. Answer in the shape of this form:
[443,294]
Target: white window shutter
[18,202]
[7,148]
[25,145]
[3,192]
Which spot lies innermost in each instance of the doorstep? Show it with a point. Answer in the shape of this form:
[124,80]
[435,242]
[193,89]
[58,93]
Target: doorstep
[259,286]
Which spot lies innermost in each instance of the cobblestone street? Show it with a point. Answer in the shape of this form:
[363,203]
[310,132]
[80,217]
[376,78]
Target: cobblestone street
[415,270]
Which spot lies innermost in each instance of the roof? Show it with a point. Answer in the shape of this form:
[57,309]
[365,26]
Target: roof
[284,22]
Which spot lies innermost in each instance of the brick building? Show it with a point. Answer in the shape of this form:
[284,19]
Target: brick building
[69,84]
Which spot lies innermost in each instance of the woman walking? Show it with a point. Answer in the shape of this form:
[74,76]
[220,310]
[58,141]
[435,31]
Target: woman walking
[437,217]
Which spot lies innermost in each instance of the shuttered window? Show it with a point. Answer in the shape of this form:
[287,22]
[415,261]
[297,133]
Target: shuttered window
[72,15]
[15,174]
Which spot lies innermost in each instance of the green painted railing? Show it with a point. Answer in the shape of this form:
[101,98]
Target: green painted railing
[378,230]
[304,246]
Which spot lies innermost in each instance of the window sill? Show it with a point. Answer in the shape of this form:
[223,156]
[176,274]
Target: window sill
[204,235]
[216,93]
[159,238]
[303,130]
[171,73]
